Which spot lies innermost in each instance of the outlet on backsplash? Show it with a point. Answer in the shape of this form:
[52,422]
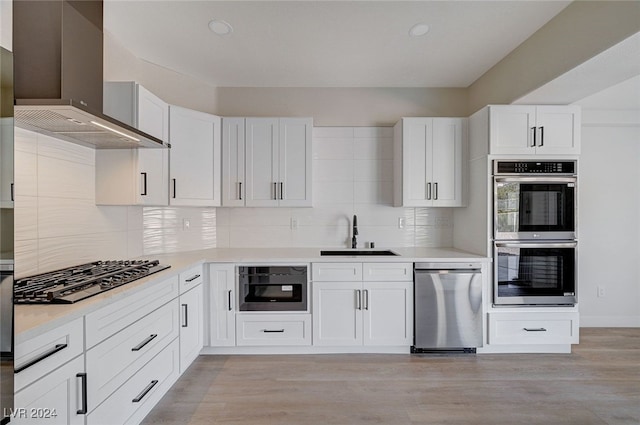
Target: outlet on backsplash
[186,224]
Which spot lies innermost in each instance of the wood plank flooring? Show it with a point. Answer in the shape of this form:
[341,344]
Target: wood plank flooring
[599,383]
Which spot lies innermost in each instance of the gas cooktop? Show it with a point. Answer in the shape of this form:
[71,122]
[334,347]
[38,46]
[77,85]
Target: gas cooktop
[71,284]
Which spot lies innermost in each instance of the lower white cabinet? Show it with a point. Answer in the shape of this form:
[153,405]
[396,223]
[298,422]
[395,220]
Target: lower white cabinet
[137,396]
[535,328]
[273,329]
[191,321]
[362,313]
[221,299]
[57,398]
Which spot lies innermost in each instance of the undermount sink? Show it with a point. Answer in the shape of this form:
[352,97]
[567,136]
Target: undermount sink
[354,252]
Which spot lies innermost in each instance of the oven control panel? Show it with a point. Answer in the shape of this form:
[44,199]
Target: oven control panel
[535,167]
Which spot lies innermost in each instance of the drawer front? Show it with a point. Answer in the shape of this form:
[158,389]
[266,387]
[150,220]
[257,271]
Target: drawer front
[387,272]
[273,329]
[533,328]
[191,278]
[110,319]
[337,272]
[112,362]
[131,402]
[40,355]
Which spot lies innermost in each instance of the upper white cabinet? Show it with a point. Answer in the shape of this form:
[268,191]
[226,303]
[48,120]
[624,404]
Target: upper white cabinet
[534,130]
[194,158]
[134,176]
[267,162]
[428,162]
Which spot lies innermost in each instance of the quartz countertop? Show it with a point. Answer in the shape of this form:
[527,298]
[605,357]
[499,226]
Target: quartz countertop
[31,320]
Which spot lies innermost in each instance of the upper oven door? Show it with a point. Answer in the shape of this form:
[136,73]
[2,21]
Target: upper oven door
[530,208]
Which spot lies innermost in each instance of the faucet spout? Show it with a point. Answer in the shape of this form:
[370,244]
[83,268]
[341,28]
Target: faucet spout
[354,232]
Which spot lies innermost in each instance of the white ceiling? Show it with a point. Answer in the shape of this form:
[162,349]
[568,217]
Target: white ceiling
[327,43]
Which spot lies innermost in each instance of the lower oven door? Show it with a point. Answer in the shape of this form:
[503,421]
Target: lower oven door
[535,273]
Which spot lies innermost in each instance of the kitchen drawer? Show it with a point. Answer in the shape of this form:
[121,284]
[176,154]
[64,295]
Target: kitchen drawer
[534,328]
[273,329]
[40,355]
[337,272]
[110,319]
[387,272]
[191,278]
[113,361]
[131,402]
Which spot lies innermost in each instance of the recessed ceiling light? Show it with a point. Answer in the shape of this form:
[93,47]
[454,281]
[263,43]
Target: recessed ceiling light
[220,27]
[418,30]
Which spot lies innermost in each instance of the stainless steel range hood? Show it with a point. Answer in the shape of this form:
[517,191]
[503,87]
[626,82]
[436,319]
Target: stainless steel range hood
[58,51]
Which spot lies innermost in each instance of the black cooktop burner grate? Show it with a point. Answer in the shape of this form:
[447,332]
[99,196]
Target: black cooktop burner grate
[76,283]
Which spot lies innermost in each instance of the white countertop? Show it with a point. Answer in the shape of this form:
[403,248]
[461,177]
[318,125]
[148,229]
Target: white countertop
[31,320]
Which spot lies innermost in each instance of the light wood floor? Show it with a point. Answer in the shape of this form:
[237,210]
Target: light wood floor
[599,383]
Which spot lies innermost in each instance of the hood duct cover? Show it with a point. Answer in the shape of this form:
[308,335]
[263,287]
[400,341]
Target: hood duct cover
[58,75]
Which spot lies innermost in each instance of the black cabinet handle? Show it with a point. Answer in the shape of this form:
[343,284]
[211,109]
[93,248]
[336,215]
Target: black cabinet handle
[541,136]
[144,184]
[174,188]
[275,190]
[185,323]
[192,278]
[533,145]
[83,376]
[145,391]
[12,197]
[41,357]
[230,298]
[535,329]
[428,190]
[281,190]
[240,191]
[145,342]
[273,331]
[435,191]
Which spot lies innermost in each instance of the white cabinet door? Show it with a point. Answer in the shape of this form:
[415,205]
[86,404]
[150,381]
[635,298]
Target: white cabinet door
[191,321]
[57,398]
[233,159]
[558,130]
[134,176]
[417,141]
[534,130]
[337,313]
[511,129]
[6,163]
[431,162]
[388,313]
[262,145]
[295,160]
[194,157]
[222,297]
[446,162]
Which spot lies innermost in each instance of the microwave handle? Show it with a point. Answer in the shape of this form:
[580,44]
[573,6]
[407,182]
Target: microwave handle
[536,245]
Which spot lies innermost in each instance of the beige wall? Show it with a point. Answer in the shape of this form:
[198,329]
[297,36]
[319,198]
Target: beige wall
[578,33]
[336,107]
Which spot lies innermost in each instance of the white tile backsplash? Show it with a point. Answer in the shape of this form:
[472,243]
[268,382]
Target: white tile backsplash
[58,223]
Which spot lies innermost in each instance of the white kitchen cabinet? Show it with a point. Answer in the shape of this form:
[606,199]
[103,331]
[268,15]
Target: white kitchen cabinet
[533,328]
[378,312]
[534,130]
[56,398]
[194,158]
[233,162]
[428,155]
[49,382]
[221,297]
[6,163]
[191,322]
[273,329]
[278,160]
[134,176]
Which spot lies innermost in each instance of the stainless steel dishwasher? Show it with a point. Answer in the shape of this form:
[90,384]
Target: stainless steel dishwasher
[447,307]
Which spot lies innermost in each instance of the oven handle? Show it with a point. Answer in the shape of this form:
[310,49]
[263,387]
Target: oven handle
[536,245]
[513,179]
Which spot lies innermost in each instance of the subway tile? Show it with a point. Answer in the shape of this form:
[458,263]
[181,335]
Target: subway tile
[322,236]
[373,149]
[373,170]
[26,258]
[259,236]
[58,149]
[383,215]
[64,179]
[25,218]
[333,192]
[430,236]
[337,148]
[25,141]
[385,236]
[58,217]
[25,173]
[333,214]
[373,132]
[373,193]
[332,170]
[260,217]
[59,252]
[436,216]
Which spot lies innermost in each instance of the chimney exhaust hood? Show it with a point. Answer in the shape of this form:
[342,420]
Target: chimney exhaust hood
[58,73]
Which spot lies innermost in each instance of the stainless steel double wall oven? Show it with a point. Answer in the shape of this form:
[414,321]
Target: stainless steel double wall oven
[535,238]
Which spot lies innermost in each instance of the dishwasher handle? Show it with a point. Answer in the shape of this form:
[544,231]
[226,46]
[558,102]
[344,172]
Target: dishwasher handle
[451,267]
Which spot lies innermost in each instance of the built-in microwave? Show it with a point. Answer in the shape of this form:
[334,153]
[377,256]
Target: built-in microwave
[535,273]
[272,288]
[535,200]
